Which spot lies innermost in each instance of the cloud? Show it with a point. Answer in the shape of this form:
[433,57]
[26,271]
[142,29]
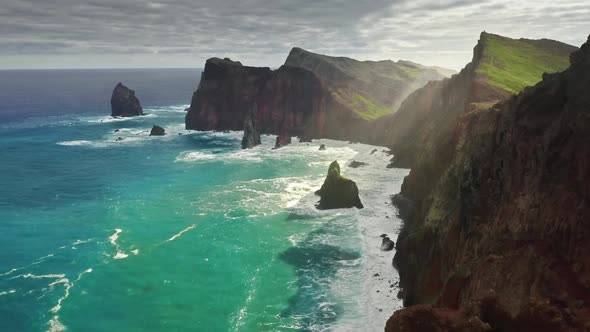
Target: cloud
[261,32]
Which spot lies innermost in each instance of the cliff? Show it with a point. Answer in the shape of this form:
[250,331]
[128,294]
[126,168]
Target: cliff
[311,95]
[124,102]
[501,66]
[498,237]
[370,88]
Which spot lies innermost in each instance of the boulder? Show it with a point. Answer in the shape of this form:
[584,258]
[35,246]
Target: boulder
[387,244]
[322,147]
[251,135]
[124,103]
[356,164]
[337,191]
[157,131]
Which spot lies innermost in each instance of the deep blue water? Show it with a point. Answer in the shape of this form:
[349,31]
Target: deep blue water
[184,232]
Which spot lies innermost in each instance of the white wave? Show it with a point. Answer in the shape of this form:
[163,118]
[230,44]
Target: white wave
[179,234]
[120,255]
[107,119]
[113,238]
[78,242]
[74,143]
[55,325]
[135,252]
[195,156]
[12,291]
[173,109]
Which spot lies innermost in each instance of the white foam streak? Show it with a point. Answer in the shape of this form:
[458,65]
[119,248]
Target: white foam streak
[12,291]
[176,236]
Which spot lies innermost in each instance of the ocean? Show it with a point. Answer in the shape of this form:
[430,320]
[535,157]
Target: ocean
[104,228]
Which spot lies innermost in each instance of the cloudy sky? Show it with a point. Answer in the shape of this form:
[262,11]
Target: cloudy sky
[183,33]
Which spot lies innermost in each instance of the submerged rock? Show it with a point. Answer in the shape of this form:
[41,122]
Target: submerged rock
[356,164]
[157,131]
[251,135]
[322,147]
[124,103]
[337,191]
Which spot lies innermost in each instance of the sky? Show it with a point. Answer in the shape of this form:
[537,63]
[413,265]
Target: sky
[184,33]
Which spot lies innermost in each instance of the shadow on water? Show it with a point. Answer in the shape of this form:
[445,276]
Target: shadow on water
[316,265]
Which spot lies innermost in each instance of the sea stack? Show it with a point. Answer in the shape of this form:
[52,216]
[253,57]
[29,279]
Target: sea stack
[283,138]
[251,135]
[124,103]
[337,191]
[157,131]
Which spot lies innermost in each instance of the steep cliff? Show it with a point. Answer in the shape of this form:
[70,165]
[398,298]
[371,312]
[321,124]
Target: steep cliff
[311,95]
[370,88]
[500,67]
[499,233]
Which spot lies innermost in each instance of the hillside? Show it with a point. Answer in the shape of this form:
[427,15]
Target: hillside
[498,239]
[512,64]
[427,118]
[370,88]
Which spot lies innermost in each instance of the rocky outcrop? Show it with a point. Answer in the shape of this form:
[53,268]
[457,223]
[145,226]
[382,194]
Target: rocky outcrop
[157,131]
[282,139]
[499,231]
[124,102]
[328,100]
[322,147]
[387,244]
[251,134]
[337,191]
[356,164]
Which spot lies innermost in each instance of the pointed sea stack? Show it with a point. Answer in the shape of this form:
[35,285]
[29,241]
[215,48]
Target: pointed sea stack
[124,103]
[251,135]
[337,191]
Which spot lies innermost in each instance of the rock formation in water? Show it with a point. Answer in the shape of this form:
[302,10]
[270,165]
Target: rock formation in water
[283,138]
[124,103]
[311,96]
[356,164]
[322,147]
[387,244]
[337,191]
[157,131]
[498,232]
[251,134]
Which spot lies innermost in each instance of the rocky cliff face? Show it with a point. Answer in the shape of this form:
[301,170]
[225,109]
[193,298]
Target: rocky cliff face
[423,128]
[251,134]
[371,88]
[124,103]
[311,95]
[499,233]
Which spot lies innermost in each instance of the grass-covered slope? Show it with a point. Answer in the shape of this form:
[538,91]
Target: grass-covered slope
[369,88]
[513,64]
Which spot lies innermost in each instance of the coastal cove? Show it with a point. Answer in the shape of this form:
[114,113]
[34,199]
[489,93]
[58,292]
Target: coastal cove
[185,230]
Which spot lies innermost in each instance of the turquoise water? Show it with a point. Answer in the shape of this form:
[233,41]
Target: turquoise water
[185,232]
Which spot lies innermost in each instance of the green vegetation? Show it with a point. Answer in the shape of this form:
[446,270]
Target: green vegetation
[512,64]
[361,105]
